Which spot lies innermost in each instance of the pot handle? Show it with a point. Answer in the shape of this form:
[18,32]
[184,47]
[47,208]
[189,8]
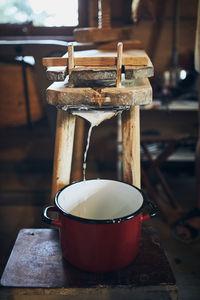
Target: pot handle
[47,219]
[152,213]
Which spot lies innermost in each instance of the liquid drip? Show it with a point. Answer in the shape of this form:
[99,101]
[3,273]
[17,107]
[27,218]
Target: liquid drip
[86,152]
[94,117]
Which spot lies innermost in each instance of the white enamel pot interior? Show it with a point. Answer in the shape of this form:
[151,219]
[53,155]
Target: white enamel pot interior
[100,200]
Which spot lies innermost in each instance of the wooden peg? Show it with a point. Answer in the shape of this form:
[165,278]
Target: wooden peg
[70,57]
[119,63]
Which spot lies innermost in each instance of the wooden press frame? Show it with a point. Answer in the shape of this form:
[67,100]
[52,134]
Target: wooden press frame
[65,131]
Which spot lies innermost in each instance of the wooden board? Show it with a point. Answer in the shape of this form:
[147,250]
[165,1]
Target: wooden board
[100,58]
[132,72]
[36,261]
[93,35]
[127,45]
[135,92]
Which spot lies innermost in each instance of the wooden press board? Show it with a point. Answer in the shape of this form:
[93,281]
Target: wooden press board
[136,57]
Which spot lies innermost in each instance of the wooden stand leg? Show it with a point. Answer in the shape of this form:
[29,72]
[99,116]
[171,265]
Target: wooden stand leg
[65,128]
[131,146]
[77,162]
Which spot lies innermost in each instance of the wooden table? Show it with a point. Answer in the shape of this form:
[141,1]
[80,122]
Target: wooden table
[36,267]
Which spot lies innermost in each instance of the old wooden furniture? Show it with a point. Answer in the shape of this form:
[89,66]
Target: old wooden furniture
[115,93]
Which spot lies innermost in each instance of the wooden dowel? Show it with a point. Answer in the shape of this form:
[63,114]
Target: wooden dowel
[131,146]
[65,128]
[70,57]
[119,63]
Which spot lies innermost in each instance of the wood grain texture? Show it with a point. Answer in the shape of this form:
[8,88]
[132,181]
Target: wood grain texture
[92,76]
[36,261]
[127,45]
[136,92]
[56,73]
[131,146]
[65,129]
[70,58]
[133,72]
[77,159]
[100,58]
[93,35]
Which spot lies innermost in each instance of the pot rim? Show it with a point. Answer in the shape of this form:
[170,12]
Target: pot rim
[100,221]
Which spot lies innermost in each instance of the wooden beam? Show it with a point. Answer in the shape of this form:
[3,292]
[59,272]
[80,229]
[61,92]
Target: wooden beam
[65,128]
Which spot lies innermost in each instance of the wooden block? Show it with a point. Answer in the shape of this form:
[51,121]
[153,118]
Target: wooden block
[100,58]
[92,76]
[56,73]
[136,92]
[133,72]
[93,35]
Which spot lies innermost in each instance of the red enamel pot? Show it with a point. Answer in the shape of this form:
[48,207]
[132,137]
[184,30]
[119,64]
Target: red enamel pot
[100,223]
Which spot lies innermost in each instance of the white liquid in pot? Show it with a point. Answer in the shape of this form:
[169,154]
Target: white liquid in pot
[100,199]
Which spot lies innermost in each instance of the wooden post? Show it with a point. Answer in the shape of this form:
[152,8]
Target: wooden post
[65,128]
[119,63]
[131,146]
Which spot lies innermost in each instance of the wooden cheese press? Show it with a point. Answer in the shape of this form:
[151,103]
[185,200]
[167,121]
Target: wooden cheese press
[98,79]
[120,84]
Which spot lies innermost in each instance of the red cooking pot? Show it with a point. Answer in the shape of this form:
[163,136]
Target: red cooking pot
[100,223]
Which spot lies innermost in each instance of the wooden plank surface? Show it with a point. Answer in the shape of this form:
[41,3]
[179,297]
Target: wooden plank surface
[93,35]
[135,57]
[36,261]
[136,92]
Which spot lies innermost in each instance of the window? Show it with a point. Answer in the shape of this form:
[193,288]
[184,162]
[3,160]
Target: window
[44,19]
[40,12]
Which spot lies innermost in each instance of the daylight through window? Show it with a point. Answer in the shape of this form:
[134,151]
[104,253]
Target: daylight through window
[40,12]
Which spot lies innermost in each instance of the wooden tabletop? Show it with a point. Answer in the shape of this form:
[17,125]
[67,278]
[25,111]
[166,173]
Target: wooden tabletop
[36,261]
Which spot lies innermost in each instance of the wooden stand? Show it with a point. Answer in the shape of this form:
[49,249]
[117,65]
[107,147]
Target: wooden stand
[125,94]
